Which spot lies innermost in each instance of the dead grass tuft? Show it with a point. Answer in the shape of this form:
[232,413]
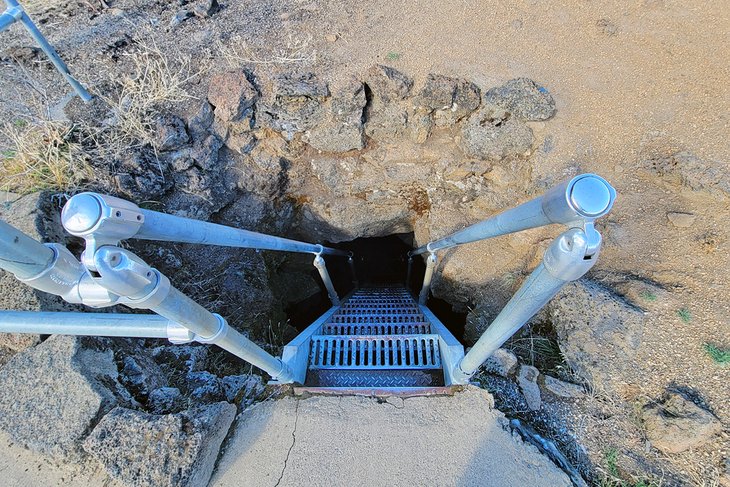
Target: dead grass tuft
[155,83]
[42,155]
[237,52]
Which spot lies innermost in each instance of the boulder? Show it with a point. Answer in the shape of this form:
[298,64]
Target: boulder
[562,389]
[527,380]
[165,400]
[598,331]
[231,94]
[140,374]
[170,133]
[294,104]
[523,98]
[675,424]
[450,99]
[55,392]
[342,131]
[140,449]
[140,175]
[246,387]
[502,362]
[387,84]
[494,134]
[681,220]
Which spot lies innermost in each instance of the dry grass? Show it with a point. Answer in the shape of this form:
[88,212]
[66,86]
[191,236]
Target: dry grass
[42,155]
[155,83]
[237,52]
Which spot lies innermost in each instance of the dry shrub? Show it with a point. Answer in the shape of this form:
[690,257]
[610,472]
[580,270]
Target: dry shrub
[237,52]
[42,155]
[155,83]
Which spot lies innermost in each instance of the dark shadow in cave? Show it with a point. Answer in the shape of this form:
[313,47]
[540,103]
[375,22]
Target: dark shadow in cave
[378,261]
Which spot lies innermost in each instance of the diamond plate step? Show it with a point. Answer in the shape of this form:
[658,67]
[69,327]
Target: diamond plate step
[370,352]
[380,379]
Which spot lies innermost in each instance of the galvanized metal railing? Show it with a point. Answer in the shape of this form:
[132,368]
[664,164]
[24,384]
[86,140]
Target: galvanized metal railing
[109,275]
[15,13]
[576,203]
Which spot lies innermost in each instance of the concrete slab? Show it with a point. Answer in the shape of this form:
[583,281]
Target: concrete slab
[324,440]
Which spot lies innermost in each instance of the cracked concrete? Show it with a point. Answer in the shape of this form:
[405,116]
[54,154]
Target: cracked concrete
[325,440]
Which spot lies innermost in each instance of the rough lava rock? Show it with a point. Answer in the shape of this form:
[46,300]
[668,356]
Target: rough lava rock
[494,134]
[170,133]
[342,131]
[523,98]
[55,392]
[502,362]
[450,99]
[675,424]
[179,450]
[231,94]
[165,400]
[386,117]
[295,104]
[561,388]
[527,379]
[598,331]
[387,84]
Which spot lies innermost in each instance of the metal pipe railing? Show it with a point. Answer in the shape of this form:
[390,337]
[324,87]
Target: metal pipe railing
[583,198]
[121,278]
[22,255]
[16,13]
[564,261]
[84,324]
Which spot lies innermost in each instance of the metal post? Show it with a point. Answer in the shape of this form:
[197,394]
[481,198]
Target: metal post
[322,268]
[351,262]
[565,260]
[16,12]
[576,202]
[431,261]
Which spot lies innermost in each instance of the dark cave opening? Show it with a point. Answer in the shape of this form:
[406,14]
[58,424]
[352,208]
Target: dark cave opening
[379,261]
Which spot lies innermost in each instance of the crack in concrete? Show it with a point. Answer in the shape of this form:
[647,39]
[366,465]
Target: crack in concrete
[293,441]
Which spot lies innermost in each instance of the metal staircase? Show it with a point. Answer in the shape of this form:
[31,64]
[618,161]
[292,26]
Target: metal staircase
[378,338]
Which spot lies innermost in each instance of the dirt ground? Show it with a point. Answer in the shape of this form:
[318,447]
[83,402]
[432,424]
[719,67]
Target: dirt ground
[632,81]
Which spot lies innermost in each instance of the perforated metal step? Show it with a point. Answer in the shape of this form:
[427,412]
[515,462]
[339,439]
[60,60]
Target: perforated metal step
[370,352]
[376,329]
[379,338]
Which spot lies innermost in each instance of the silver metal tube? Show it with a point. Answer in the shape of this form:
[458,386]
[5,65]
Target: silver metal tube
[431,261]
[179,308]
[170,228]
[47,48]
[322,268]
[22,255]
[564,261]
[102,219]
[87,324]
[583,198]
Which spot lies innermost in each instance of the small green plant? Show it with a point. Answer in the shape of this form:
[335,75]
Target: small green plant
[393,56]
[19,123]
[648,296]
[717,354]
[611,456]
[684,315]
